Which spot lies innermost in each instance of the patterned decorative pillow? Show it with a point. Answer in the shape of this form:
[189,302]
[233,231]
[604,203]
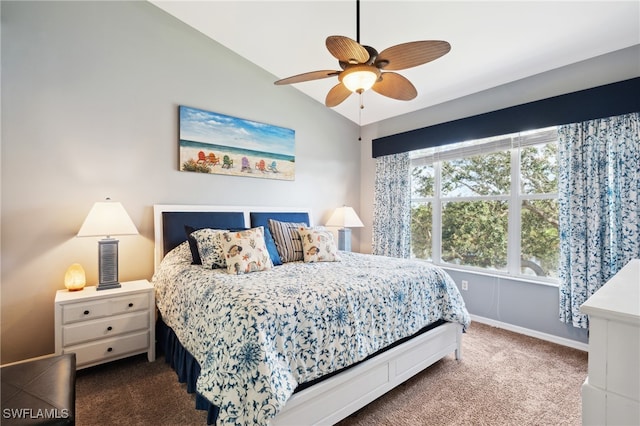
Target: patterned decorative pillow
[318,245]
[246,251]
[193,245]
[287,239]
[210,247]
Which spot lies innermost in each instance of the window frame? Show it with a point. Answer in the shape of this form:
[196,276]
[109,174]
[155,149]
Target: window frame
[513,143]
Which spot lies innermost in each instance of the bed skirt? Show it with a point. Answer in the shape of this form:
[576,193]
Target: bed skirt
[185,366]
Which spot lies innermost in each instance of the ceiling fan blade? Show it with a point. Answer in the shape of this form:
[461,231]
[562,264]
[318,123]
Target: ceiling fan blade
[414,53]
[347,50]
[308,76]
[393,85]
[336,95]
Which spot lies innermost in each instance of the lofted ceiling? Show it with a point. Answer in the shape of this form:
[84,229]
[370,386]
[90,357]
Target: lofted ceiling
[492,42]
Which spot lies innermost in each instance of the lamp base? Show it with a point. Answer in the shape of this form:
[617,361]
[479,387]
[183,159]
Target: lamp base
[108,264]
[344,239]
[103,286]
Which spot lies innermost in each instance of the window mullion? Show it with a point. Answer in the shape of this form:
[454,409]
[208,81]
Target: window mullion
[513,237]
[436,211]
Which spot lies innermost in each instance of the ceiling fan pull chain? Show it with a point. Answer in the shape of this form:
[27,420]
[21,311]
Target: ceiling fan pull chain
[360,119]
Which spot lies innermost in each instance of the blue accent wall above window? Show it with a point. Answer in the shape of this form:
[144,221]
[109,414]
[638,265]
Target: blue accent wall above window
[598,102]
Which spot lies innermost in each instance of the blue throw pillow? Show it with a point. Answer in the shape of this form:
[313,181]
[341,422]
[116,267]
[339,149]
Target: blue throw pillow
[193,245]
[271,247]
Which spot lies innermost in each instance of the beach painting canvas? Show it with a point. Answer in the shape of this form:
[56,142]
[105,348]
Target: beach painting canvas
[221,144]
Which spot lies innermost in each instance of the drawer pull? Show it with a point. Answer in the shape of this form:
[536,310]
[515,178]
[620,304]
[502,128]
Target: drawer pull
[109,349]
[109,328]
[131,305]
[86,312]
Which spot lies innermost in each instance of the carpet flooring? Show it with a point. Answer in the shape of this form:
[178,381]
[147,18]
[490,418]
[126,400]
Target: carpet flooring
[504,378]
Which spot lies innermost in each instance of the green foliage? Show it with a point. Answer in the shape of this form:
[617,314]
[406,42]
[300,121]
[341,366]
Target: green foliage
[475,233]
[540,238]
[421,230]
[191,166]
[422,180]
[539,169]
[479,175]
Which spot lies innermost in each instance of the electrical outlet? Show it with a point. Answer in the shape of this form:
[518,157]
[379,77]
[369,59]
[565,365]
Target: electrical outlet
[465,285]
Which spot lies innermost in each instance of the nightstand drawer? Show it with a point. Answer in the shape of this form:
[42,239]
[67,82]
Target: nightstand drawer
[102,308]
[106,327]
[131,303]
[84,311]
[109,348]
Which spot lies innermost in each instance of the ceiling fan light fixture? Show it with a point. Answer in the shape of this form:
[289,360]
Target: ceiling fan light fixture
[360,78]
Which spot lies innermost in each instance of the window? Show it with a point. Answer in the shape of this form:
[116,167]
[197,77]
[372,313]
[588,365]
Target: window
[489,204]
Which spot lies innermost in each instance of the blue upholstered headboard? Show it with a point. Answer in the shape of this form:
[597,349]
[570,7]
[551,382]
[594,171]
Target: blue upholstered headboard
[262,218]
[173,224]
[169,221]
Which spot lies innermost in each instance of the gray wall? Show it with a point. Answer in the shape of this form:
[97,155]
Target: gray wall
[523,304]
[512,302]
[90,95]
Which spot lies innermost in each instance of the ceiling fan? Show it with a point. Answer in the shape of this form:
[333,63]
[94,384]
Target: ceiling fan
[363,68]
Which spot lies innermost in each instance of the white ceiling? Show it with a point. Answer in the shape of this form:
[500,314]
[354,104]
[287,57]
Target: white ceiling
[492,42]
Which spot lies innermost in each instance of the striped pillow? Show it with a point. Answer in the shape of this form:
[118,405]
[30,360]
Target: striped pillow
[287,239]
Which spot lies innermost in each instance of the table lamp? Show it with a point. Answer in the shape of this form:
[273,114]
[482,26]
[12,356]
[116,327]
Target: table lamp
[105,219]
[344,217]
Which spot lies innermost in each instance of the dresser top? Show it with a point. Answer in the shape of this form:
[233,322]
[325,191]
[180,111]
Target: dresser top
[619,298]
[90,292]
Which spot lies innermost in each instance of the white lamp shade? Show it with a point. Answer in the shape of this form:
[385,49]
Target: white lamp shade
[345,217]
[107,218]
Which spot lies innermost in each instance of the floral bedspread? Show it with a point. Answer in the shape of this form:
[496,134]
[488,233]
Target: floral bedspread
[257,336]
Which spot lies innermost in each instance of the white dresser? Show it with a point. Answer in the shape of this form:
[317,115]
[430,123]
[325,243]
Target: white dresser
[611,393]
[105,325]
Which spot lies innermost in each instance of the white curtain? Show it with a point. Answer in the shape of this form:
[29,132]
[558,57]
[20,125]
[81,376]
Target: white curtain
[392,206]
[599,209]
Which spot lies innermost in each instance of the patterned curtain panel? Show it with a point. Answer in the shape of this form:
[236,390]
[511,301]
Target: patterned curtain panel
[599,187]
[392,206]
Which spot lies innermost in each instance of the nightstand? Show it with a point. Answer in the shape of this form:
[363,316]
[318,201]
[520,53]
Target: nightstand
[102,326]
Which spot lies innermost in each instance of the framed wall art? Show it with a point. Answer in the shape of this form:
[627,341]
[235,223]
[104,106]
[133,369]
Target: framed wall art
[220,144]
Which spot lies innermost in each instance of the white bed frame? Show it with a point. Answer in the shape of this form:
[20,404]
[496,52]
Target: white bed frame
[333,399]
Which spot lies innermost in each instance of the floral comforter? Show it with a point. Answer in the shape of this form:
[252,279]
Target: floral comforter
[257,336]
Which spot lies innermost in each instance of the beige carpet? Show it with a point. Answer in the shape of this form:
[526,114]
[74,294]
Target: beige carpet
[503,379]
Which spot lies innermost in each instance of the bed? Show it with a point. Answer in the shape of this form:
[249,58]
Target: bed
[307,341]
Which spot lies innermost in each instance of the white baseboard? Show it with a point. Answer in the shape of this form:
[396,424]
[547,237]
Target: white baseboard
[532,333]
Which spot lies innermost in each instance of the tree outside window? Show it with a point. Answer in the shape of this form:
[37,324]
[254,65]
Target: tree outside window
[476,205]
